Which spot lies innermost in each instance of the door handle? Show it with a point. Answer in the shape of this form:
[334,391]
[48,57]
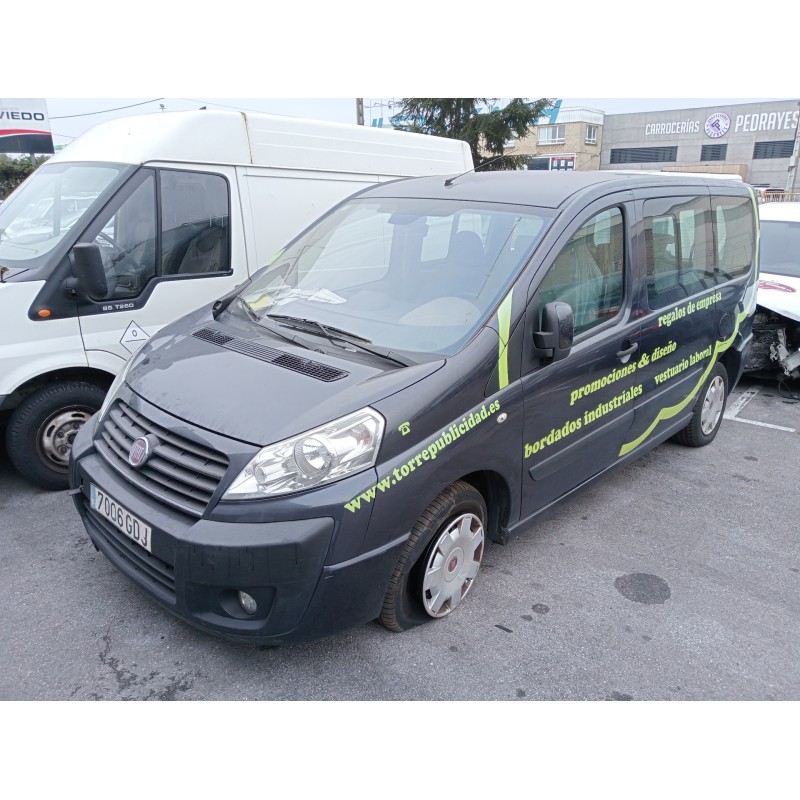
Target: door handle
[629,352]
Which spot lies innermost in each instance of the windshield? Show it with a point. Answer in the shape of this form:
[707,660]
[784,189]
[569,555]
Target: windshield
[408,275]
[46,206]
[780,247]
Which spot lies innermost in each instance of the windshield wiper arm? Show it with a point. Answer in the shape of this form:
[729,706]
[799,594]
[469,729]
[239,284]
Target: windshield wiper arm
[326,329]
[331,333]
[249,310]
[303,324]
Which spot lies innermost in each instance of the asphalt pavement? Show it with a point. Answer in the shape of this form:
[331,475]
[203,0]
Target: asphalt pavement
[674,579]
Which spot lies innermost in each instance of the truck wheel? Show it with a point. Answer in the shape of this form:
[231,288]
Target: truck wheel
[707,412]
[42,428]
[440,560]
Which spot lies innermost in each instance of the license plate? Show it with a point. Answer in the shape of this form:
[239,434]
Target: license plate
[120,517]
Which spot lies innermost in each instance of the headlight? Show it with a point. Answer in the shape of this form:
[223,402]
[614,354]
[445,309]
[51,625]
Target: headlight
[322,455]
[115,386]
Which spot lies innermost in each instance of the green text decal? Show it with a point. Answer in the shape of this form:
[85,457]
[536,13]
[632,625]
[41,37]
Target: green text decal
[671,411]
[427,453]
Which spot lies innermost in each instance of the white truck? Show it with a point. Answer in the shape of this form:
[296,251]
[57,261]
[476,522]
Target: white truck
[143,219]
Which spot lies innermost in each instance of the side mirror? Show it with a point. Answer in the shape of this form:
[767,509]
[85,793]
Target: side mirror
[554,341]
[87,266]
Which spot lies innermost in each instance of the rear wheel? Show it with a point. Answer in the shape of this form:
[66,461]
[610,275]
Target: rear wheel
[439,562]
[708,410]
[42,428]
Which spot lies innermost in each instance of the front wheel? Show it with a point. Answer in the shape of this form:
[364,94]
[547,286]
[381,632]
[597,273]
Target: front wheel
[440,560]
[708,410]
[41,431]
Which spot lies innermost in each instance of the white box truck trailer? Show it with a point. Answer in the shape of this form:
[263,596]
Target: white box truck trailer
[143,219]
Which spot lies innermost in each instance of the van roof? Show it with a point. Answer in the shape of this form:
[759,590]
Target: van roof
[541,188]
[232,137]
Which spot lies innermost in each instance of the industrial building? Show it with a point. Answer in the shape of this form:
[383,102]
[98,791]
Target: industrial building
[756,141]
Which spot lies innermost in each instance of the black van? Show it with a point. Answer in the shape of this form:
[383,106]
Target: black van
[431,365]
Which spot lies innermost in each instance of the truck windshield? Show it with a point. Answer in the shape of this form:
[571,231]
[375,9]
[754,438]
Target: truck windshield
[40,213]
[405,275]
[780,247]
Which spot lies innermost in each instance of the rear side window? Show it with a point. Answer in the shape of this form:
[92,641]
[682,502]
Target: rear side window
[693,244]
[735,228]
[679,248]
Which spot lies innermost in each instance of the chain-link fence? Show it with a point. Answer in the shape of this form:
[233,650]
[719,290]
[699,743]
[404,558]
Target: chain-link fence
[776,196]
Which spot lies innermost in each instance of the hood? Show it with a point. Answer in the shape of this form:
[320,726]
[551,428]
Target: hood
[780,294]
[259,389]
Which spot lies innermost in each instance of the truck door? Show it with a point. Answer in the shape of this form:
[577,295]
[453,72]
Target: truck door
[578,410]
[167,249]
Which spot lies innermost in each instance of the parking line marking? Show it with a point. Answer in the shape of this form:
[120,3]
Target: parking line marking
[763,424]
[741,401]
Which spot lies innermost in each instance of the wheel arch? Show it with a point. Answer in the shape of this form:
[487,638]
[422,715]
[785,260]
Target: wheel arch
[734,366]
[497,496]
[98,377]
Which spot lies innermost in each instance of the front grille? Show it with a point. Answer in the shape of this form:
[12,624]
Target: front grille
[182,473]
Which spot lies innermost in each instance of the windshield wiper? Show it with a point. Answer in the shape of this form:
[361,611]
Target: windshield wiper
[331,333]
[326,329]
[251,313]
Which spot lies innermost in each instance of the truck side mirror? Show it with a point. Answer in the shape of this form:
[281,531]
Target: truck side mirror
[87,266]
[554,341]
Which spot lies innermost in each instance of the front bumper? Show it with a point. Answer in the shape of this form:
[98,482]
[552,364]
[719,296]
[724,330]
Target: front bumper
[198,566]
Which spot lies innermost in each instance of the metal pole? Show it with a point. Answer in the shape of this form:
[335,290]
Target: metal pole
[359,110]
[791,178]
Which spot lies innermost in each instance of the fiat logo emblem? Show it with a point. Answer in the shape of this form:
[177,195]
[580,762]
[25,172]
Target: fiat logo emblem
[141,449]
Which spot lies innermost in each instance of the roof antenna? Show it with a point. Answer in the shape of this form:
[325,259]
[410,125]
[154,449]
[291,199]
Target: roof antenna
[449,181]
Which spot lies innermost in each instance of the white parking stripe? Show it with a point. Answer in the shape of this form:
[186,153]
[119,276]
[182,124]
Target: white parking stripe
[741,401]
[763,424]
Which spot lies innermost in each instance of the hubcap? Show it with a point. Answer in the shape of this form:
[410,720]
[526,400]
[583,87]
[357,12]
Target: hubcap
[58,433]
[712,405]
[452,565]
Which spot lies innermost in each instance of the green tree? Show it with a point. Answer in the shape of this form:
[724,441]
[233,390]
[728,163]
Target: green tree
[14,170]
[486,132]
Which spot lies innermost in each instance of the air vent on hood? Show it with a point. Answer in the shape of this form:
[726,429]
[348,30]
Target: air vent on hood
[313,369]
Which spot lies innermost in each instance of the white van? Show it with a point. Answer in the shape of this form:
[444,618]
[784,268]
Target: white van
[178,208]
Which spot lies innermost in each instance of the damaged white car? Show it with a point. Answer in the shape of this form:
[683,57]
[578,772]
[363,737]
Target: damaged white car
[776,327]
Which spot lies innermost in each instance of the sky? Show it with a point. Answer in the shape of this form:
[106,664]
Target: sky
[287,59]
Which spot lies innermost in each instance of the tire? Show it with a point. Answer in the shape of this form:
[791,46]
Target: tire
[707,412]
[42,428]
[440,560]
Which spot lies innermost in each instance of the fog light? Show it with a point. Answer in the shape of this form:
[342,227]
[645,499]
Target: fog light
[248,604]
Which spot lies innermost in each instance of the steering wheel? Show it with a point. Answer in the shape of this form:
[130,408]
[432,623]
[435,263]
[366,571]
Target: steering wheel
[117,248]
[124,271]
